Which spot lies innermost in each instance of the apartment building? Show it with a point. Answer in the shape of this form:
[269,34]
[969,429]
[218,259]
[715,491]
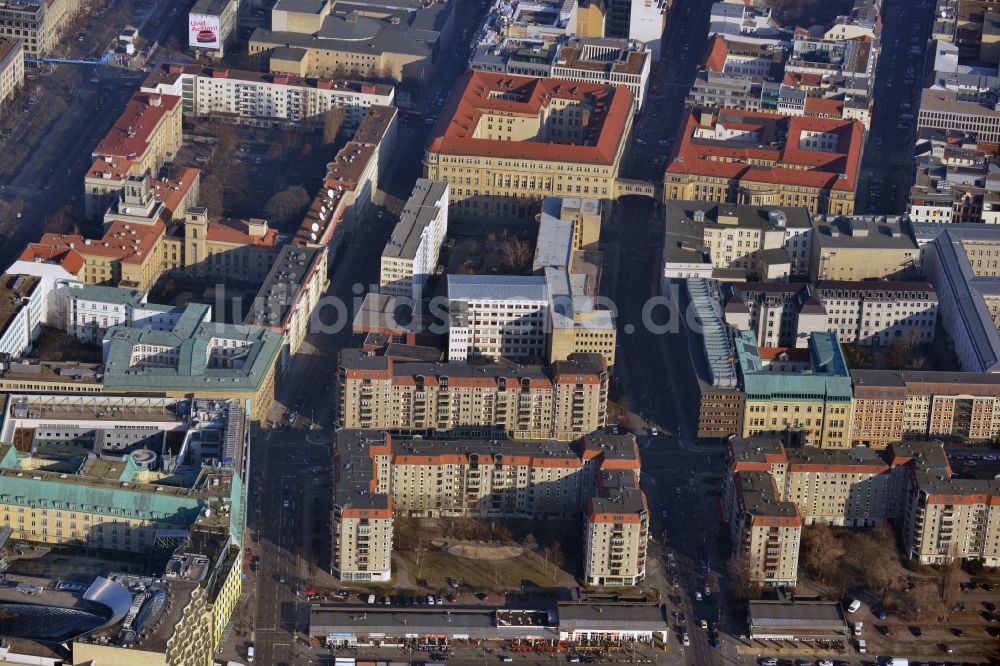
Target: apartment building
[615,531]
[21,313]
[522,139]
[212,26]
[381,475]
[263,99]
[401,41]
[345,201]
[223,248]
[290,293]
[811,395]
[145,135]
[40,24]
[564,401]
[880,313]
[763,529]
[893,406]
[955,179]
[411,254]
[963,263]
[761,159]
[11,68]
[492,317]
[863,248]
[909,484]
[706,239]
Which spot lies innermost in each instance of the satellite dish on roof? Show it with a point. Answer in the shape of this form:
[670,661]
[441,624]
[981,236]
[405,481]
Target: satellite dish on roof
[312,237]
[315,227]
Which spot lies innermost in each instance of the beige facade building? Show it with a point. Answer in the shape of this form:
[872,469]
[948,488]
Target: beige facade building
[380,475]
[11,67]
[328,39]
[764,530]
[910,484]
[892,406]
[527,402]
[145,135]
[746,157]
[863,248]
[411,255]
[41,24]
[505,142]
[810,394]
[615,531]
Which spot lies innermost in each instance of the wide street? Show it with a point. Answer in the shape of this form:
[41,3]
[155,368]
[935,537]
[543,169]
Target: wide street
[93,96]
[887,165]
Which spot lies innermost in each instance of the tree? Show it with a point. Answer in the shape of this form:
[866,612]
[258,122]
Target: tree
[529,542]
[879,562]
[821,551]
[951,576]
[516,254]
[555,558]
[744,576]
[333,122]
[287,206]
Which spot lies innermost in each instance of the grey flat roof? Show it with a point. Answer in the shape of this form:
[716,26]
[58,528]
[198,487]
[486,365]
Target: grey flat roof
[281,287]
[818,614]
[496,287]
[300,6]
[417,214]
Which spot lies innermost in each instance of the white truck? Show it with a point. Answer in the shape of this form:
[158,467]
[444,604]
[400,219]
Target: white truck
[899,661]
[856,627]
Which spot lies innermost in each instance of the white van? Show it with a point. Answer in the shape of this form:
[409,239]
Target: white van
[371,598]
[862,646]
[250,653]
[855,605]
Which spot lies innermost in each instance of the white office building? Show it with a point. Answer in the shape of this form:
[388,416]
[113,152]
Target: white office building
[411,254]
[497,315]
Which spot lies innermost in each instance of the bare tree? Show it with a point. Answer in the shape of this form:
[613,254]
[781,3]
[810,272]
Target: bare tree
[879,561]
[529,542]
[555,558]
[333,122]
[287,206]
[744,575]
[821,551]
[516,254]
[951,575]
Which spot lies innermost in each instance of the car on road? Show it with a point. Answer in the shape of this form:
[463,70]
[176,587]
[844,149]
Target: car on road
[685,639]
[284,504]
[854,606]
[703,623]
[506,658]
[573,659]
[697,596]
[768,661]
[957,631]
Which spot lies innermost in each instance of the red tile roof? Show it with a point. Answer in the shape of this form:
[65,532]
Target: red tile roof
[126,242]
[715,57]
[129,136]
[171,192]
[225,230]
[792,165]
[471,98]
[69,259]
[824,108]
